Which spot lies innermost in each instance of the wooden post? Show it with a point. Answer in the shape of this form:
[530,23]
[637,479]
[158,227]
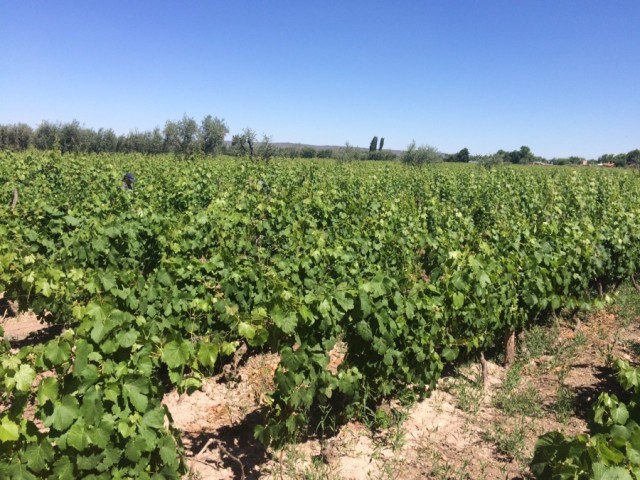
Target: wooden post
[485,372]
[15,198]
[509,349]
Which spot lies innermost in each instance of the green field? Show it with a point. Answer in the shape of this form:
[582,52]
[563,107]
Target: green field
[407,268]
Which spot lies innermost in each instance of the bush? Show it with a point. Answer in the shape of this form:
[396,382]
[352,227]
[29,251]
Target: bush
[308,152]
[421,155]
[381,155]
[326,153]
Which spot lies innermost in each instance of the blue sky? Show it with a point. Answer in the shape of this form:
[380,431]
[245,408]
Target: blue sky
[562,77]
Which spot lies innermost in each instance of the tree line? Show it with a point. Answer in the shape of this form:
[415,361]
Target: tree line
[184,136]
[187,138]
[426,154]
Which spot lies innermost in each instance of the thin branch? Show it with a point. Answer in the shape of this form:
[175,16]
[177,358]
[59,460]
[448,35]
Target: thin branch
[206,445]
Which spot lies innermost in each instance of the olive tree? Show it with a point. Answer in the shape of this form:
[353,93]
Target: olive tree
[212,133]
[422,155]
[242,144]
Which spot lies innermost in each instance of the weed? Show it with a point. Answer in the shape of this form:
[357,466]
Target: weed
[512,400]
[440,468]
[579,339]
[527,402]
[538,341]
[564,404]
[627,304]
[509,441]
[468,393]
[513,377]
[607,348]
[316,471]
[392,431]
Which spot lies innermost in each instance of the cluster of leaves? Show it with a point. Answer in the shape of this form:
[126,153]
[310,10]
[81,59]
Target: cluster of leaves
[158,286]
[610,451]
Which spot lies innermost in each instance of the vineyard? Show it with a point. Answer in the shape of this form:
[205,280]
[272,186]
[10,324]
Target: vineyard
[206,261]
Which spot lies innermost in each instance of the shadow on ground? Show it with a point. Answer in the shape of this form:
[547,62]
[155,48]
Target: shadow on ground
[237,447]
[586,396]
[39,336]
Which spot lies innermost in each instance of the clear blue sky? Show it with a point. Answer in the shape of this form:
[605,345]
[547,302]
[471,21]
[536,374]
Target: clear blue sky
[560,76]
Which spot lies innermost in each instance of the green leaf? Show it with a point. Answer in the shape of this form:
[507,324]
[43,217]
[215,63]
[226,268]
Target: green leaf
[57,352]
[620,414]
[176,353]
[286,323]
[135,390]
[108,281]
[98,312]
[168,451]
[39,455]
[24,377]
[71,220]
[98,331]
[77,436]
[291,424]
[8,430]
[246,330]
[164,278]
[92,408]
[48,390]
[144,363]
[83,349]
[100,435]
[364,331]
[154,418]
[208,354]
[88,462]
[608,454]
[132,450]
[99,244]
[612,473]
[345,303]
[305,313]
[127,338]
[64,413]
[365,304]
[18,470]
[388,359]
[90,375]
[111,457]
[44,287]
[458,300]
[63,469]
[450,354]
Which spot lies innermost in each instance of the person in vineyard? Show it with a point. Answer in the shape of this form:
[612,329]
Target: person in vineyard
[127,181]
[264,185]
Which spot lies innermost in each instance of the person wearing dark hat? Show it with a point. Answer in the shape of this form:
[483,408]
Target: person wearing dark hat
[127,181]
